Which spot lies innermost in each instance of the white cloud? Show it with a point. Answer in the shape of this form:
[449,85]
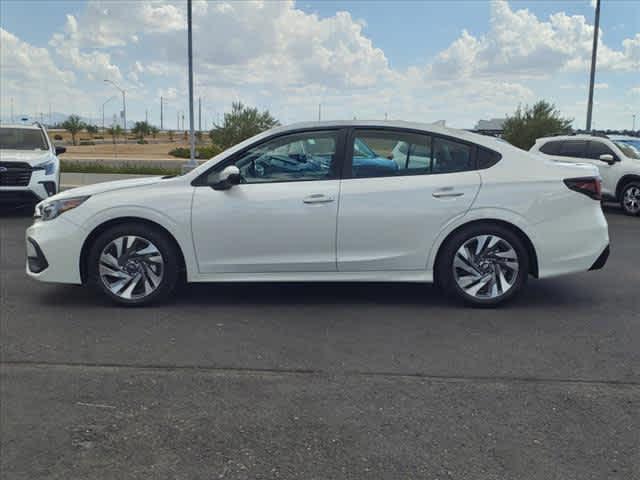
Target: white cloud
[96,64]
[519,44]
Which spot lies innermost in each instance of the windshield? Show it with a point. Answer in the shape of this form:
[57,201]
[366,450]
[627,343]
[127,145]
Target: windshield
[22,139]
[630,148]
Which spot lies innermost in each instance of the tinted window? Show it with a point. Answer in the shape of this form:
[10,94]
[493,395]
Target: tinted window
[598,148]
[22,139]
[551,148]
[297,157]
[450,156]
[388,153]
[572,148]
[487,158]
[631,148]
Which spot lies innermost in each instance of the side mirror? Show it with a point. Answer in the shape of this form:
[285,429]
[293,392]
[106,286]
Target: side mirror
[607,158]
[227,178]
[60,150]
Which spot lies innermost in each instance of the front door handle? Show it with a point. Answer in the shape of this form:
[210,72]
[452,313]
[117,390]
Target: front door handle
[318,198]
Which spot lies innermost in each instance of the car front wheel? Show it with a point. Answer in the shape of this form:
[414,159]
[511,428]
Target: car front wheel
[630,198]
[483,265]
[133,264]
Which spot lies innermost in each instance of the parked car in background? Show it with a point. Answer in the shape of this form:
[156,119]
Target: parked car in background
[618,161]
[332,201]
[29,165]
[627,140]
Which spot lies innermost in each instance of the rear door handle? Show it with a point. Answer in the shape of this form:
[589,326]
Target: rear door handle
[318,198]
[446,192]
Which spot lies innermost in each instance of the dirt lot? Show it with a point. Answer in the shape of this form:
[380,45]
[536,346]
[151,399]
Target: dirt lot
[157,149]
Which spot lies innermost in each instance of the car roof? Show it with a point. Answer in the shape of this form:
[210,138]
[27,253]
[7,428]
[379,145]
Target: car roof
[485,140]
[20,125]
[580,136]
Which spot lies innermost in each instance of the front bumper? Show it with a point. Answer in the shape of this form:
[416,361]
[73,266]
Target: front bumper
[59,243]
[40,187]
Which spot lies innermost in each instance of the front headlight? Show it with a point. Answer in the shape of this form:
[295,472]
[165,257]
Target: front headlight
[49,167]
[48,210]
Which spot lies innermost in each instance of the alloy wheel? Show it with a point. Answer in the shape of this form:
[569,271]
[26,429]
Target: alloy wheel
[631,199]
[486,266]
[131,267]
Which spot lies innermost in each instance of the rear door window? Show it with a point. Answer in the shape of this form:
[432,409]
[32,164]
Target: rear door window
[574,149]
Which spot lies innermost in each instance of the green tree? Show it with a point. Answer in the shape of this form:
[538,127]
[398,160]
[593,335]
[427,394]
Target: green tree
[154,132]
[115,131]
[529,123]
[91,129]
[243,122]
[140,129]
[73,125]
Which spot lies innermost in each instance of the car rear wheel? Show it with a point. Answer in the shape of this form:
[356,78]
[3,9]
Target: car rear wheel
[483,265]
[630,198]
[133,264]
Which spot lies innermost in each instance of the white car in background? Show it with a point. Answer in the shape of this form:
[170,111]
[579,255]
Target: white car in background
[323,201]
[29,166]
[617,159]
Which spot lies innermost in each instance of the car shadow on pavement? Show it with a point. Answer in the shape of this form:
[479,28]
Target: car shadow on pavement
[560,293]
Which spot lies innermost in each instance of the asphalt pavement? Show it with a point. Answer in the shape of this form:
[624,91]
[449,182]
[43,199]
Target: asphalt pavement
[322,381]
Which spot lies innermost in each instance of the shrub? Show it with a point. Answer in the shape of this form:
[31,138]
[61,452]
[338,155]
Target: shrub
[203,152]
[87,142]
[130,168]
[57,136]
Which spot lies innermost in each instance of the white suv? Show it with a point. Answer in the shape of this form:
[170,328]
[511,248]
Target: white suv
[29,166]
[618,162]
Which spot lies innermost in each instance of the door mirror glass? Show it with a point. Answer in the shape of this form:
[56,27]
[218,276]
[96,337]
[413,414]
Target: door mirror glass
[227,178]
[60,150]
[607,158]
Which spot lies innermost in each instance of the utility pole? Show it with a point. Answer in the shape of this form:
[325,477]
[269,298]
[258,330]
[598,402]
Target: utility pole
[594,53]
[192,157]
[199,114]
[319,111]
[146,116]
[178,121]
[11,109]
[161,125]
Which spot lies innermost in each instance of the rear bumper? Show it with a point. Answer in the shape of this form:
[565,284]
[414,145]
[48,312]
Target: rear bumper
[602,259]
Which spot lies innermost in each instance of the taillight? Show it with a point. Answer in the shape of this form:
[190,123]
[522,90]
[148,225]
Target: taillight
[589,186]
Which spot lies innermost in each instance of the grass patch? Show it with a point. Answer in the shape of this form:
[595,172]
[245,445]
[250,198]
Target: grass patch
[128,168]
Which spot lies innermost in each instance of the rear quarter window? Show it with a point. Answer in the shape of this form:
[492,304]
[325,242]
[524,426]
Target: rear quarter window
[551,148]
[487,158]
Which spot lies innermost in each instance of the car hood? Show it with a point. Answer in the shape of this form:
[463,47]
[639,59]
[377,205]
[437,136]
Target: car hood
[32,157]
[103,187]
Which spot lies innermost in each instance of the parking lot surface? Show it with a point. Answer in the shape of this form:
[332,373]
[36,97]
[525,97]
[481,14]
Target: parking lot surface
[319,381]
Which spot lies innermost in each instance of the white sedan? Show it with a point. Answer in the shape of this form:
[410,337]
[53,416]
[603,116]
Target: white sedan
[331,201]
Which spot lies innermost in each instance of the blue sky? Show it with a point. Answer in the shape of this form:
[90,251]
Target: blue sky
[453,60]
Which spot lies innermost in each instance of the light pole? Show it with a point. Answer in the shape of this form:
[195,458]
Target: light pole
[192,157]
[111,98]
[594,53]
[163,102]
[124,107]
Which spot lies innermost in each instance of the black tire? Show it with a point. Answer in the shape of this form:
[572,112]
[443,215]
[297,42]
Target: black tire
[445,277]
[632,209]
[164,244]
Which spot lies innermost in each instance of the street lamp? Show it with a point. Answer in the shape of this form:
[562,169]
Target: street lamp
[111,98]
[124,105]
